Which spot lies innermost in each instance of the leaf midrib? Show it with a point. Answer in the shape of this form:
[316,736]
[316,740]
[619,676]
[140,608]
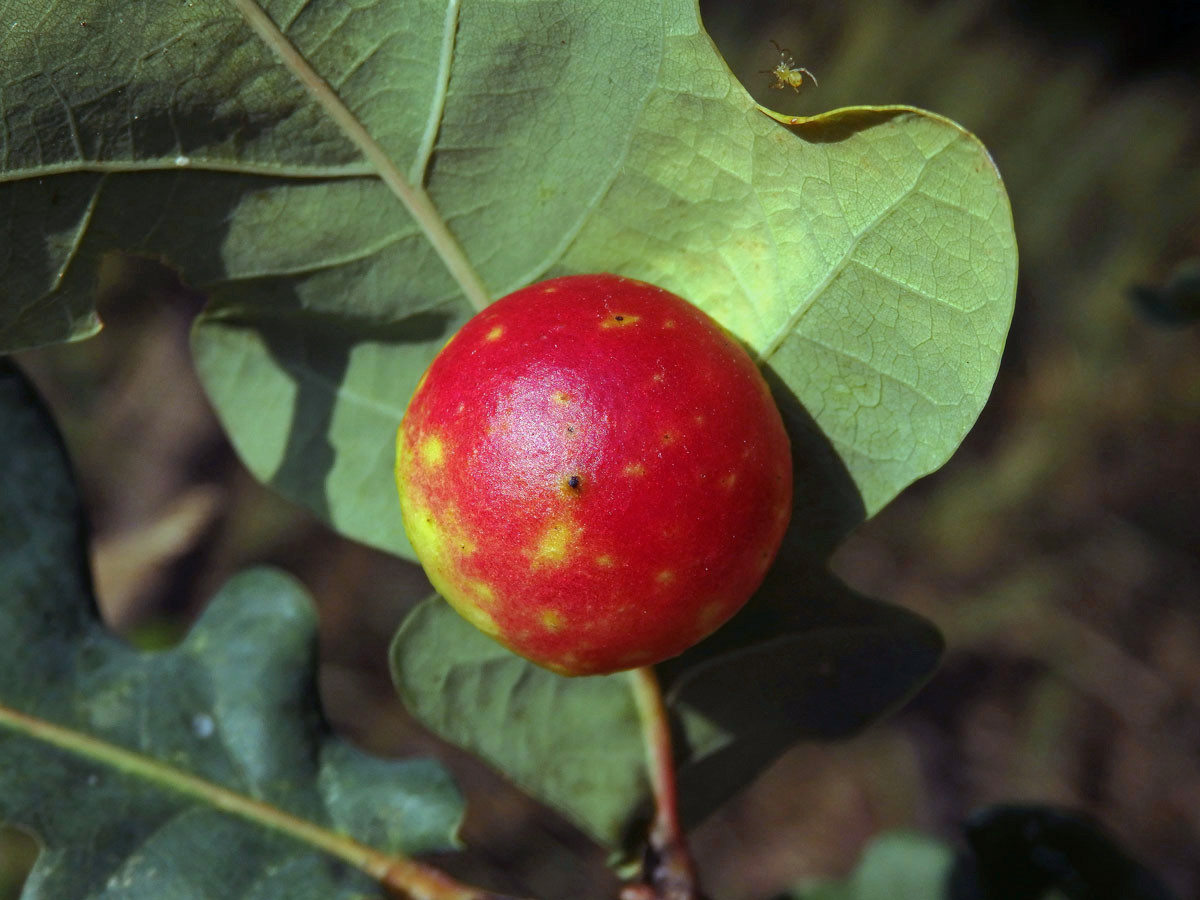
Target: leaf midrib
[371,861]
[412,196]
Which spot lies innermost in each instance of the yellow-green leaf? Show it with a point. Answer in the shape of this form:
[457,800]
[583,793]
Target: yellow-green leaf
[866,256]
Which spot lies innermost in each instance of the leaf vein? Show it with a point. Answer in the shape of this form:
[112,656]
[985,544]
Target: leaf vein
[920,292]
[877,370]
[837,268]
[417,173]
[72,124]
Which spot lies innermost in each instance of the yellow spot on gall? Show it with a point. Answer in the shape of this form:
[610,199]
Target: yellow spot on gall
[568,665]
[495,334]
[634,470]
[561,398]
[553,620]
[433,452]
[555,543]
[424,532]
[479,591]
[619,320]
[439,538]
[480,619]
[670,323]
[605,561]
[666,576]
[729,481]
[709,616]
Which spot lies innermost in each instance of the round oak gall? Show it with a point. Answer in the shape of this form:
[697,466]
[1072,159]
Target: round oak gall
[594,473]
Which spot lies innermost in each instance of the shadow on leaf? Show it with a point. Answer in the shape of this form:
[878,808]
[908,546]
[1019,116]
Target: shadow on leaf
[315,348]
[811,659]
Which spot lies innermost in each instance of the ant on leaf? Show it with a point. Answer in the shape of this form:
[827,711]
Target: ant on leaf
[787,73]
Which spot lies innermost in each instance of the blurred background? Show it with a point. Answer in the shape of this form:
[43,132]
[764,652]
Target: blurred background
[1059,551]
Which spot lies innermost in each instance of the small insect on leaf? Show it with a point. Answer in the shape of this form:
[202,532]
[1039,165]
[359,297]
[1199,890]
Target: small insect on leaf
[787,73]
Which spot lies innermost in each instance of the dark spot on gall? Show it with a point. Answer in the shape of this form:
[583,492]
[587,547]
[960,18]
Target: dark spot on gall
[570,429]
[620,318]
[573,482]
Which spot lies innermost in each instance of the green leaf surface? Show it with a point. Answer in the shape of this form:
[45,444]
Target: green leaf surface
[806,660]
[234,704]
[899,865]
[573,743]
[866,256]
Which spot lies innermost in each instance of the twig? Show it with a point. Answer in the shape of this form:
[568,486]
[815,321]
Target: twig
[414,198]
[399,874]
[668,873]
